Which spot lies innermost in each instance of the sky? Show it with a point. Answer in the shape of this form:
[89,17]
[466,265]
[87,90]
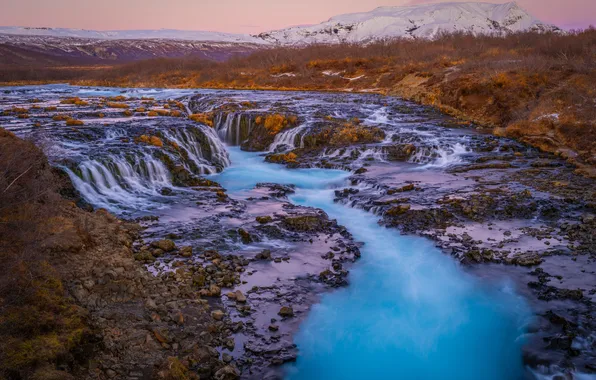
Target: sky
[237,16]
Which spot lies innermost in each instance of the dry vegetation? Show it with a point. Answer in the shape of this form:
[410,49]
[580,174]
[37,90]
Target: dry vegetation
[39,326]
[539,88]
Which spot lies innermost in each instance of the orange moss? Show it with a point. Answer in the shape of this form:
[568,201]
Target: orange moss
[351,134]
[276,122]
[119,98]
[151,140]
[74,122]
[203,118]
[117,105]
[283,158]
[75,100]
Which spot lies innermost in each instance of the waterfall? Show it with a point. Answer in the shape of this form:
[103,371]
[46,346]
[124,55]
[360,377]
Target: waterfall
[211,161]
[439,156]
[120,182]
[288,139]
[233,128]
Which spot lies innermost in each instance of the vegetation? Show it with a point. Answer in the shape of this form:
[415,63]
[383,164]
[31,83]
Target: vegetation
[276,122]
[76,101]
[117,105]
[39,325]
[151,140]
[203,118]
[74,122]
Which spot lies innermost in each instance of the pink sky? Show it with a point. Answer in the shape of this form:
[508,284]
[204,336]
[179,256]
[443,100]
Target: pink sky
[236,16]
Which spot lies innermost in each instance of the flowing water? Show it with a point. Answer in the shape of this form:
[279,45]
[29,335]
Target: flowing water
[409,312]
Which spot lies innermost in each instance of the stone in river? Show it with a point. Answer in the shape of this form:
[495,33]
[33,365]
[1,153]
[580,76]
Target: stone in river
[286,311]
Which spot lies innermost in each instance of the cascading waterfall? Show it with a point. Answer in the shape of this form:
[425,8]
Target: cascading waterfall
[206,162]
[229,127]
[120,182]
[288,139]
[439,156]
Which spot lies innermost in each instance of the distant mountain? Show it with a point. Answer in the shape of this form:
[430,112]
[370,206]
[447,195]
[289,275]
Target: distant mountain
[72,46]
[50,50]
[424,21]
[160,34]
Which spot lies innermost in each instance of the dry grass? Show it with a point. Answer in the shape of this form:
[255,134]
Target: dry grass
[38,324]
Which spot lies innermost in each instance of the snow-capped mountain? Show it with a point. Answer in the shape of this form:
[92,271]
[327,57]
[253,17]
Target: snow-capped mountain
[425,21]
[24,44]
[169,34]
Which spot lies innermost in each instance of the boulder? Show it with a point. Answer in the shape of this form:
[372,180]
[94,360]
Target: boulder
[166,245]
[217,315]
[286,311]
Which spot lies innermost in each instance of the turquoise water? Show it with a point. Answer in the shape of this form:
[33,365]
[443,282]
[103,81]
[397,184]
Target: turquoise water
[410,311]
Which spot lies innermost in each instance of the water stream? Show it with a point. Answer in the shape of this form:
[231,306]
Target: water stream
[410,311]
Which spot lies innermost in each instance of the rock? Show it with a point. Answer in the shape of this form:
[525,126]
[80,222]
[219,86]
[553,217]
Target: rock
[240,297]
[305,223]
[186,251]
[245,236]
[227,373]
[286,311]
[161,336]
[277,190]
[199,280]
[214,291]
[527,260]
[166,245]
[273,327]
[397,210]
[166,191]
[402,189]
[264,219]
[217,315]
[150,304]
[144,256]
[264,255]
